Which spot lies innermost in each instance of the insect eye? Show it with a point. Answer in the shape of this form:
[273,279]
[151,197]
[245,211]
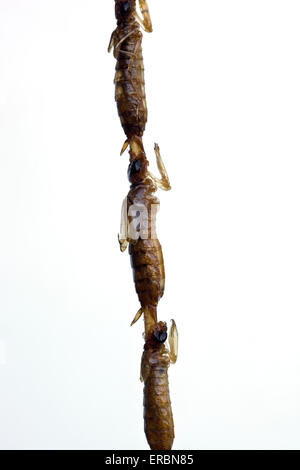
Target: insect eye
[134,168]
[160,336]
[125,8]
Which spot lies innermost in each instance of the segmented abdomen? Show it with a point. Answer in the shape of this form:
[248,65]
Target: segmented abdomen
[158,417]
[130,87]
[148,271]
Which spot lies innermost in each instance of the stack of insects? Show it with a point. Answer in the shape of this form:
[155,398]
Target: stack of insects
[138,221]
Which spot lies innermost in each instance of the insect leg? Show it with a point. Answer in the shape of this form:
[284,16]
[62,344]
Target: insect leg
[111,41]
[164,182]
[173,342]
[136,48]
[123,39]
[146,20]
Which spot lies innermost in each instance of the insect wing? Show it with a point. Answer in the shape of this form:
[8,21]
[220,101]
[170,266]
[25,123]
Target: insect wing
[173,342]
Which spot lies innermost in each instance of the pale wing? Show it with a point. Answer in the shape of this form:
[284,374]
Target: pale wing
[173,342]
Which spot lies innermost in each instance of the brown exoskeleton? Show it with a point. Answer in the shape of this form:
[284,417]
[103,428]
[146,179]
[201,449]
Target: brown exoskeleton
[138,230]
[158,417]
[126,41]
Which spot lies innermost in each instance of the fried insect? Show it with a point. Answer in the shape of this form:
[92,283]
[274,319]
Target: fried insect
[158,417]
[138,221]
[126,40]
[138,229]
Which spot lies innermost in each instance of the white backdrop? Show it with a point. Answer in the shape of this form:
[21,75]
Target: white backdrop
[222,85]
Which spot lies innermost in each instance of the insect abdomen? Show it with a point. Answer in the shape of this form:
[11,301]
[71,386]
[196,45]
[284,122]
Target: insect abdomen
[158,417]
[148,270]
[130,88]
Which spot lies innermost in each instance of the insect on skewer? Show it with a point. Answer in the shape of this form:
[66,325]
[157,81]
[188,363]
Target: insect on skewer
[138,229]
[158,417]
[138,221]
[126,41]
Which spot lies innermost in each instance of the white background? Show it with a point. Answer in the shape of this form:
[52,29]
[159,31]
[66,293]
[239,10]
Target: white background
[222,85]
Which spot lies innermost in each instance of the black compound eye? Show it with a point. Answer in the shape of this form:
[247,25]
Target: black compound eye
[160,336]
[125,8]
[135,167]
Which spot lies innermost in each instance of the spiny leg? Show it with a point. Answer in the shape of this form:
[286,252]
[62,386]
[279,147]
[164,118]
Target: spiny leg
[146,20]
[164,182]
